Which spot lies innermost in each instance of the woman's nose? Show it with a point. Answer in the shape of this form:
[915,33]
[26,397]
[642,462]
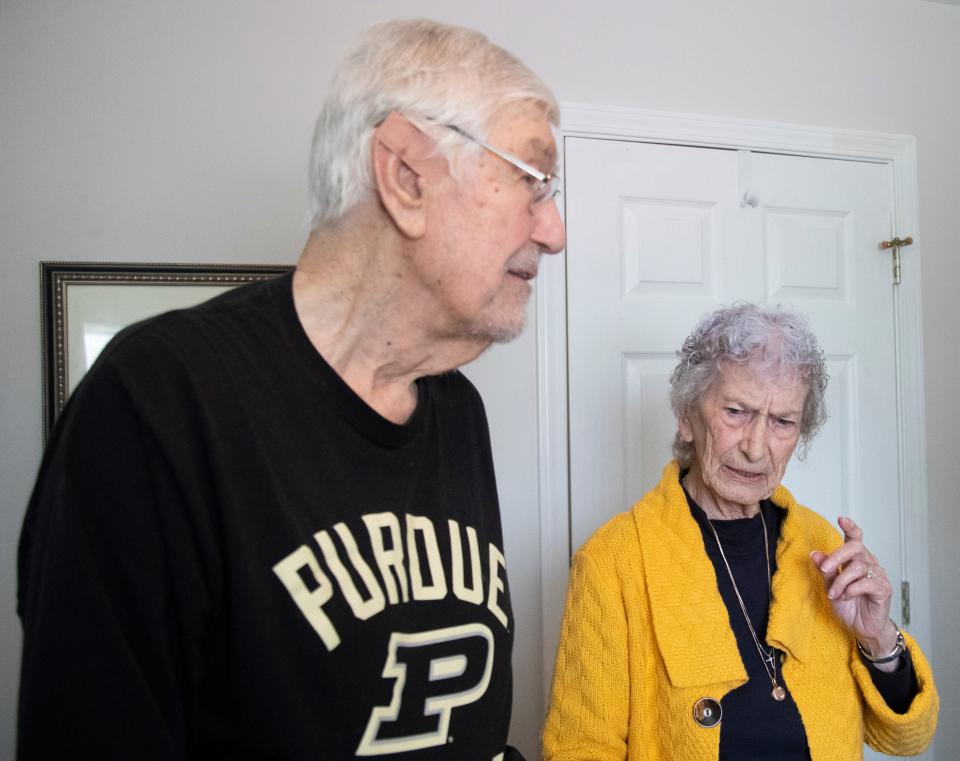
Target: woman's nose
[753,442]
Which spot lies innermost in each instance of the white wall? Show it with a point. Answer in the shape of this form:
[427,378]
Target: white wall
[938,150]
[179,130]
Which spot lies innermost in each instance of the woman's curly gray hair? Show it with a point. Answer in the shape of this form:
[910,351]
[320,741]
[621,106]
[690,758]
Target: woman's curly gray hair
[770,340]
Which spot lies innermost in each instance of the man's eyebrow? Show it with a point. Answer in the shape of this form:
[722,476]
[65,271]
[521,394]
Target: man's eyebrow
[539,152]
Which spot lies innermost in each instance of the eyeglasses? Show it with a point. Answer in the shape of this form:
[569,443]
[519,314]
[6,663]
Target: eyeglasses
[543,187]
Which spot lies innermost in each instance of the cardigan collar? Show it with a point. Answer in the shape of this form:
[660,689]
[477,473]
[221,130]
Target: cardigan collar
[690,620]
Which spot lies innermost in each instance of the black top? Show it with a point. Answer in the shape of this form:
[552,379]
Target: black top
[755,725]
[228,554]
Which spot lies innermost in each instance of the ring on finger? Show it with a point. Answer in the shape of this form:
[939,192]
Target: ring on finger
[869,573]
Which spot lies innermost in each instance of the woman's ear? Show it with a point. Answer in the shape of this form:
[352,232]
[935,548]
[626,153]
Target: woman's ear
[686,430]
[405,162]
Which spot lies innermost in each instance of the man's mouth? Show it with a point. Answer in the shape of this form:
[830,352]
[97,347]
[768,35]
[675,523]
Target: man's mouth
[524,265]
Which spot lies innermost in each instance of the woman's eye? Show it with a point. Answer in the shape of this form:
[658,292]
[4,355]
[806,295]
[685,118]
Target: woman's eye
[734,412]
[784,422]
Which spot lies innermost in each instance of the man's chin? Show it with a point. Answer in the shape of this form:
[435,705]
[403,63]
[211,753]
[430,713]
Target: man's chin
[508,330]
[499,328]
[504,327]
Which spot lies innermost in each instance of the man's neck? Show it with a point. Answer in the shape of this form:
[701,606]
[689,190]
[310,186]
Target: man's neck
[369,320]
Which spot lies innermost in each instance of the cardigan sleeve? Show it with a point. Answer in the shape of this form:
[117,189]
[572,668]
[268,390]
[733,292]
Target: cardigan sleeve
[892,733]
[588,714]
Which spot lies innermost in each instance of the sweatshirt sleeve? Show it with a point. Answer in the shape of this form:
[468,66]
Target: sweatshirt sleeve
[897,688]
[588,717]
[111,592]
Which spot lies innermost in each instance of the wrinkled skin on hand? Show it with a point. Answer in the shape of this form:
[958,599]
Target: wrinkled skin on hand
[859,591]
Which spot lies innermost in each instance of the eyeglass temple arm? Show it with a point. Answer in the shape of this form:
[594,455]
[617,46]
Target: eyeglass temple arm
[519,163]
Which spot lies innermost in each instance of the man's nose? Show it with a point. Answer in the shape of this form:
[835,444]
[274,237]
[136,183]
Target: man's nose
[548,230]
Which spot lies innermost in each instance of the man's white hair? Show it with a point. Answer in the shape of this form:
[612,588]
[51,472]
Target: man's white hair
[431,73]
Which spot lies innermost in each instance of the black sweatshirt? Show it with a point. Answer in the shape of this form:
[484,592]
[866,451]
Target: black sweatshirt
[229,555]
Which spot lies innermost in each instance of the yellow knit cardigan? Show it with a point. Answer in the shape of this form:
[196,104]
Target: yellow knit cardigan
[646,635]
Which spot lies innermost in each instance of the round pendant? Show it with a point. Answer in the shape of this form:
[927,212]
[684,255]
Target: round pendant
[779,693]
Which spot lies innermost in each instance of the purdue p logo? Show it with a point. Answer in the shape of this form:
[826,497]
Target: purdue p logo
[434,673]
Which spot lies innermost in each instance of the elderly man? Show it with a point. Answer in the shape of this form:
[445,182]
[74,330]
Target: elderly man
[267,527]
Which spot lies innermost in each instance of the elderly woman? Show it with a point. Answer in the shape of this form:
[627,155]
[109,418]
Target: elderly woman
[719,619]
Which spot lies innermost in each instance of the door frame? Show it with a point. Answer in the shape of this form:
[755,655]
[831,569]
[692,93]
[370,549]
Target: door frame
[899,151]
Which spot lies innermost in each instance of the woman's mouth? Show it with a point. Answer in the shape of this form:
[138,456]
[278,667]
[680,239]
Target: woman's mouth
[745,475]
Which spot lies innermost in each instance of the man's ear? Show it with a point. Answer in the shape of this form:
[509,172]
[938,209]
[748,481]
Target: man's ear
[405,162]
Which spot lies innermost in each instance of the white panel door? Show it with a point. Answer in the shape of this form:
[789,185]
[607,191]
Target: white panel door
[657,237]
[648,229]
[822,224]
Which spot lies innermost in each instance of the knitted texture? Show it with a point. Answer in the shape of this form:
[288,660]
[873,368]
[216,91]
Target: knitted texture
[646,635]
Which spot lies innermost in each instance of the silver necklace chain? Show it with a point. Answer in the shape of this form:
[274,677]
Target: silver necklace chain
[767,656]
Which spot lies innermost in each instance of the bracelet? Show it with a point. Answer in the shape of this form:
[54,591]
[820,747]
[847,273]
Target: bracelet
[897,651]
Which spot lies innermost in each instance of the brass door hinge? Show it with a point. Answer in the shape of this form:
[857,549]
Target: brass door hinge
[895,244]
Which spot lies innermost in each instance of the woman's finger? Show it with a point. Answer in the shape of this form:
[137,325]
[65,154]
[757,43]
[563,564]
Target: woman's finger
[877,588]
[852,572]
[844,555]
[860,578]
[851,531]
